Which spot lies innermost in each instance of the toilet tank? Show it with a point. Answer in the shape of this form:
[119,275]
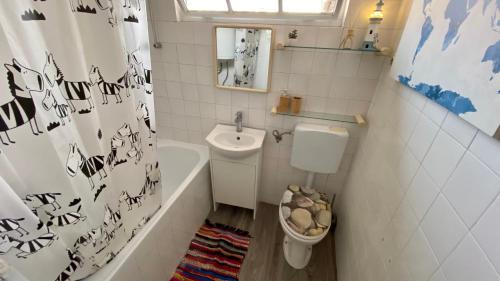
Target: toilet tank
[318,148]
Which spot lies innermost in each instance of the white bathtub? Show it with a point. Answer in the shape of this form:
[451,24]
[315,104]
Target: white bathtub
[155,252]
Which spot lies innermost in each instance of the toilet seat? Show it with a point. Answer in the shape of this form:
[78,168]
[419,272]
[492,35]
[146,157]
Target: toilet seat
[297,248]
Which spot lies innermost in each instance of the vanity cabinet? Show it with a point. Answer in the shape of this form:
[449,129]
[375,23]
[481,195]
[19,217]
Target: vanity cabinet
[235,181]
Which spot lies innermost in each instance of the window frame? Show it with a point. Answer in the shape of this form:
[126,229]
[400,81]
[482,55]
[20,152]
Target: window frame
[280,17]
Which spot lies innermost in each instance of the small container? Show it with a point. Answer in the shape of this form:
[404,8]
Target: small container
[284,104]
[296,104]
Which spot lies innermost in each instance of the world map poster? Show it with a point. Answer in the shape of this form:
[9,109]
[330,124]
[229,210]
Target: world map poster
[450,53]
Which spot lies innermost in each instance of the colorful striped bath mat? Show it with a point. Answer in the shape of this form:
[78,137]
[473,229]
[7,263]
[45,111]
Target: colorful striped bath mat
[216,253]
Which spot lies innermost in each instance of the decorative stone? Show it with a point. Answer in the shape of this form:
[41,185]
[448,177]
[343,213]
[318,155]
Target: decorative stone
[322,206]
[303,202]
[294,188]
[315,208]
[314,231]
[315,196]
[323,218]
[320,202]
[287,197]
[296,228]
[301,218]
[286,211]
[307,190]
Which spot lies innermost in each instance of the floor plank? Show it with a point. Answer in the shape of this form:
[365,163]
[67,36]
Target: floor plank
[265,260]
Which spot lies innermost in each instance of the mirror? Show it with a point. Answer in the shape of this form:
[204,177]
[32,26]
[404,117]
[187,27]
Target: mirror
[242,57]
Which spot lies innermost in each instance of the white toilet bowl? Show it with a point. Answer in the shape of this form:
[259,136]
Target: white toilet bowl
[297,248]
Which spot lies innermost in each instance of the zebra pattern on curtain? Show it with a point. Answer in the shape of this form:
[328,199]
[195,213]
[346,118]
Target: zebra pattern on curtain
[78,170]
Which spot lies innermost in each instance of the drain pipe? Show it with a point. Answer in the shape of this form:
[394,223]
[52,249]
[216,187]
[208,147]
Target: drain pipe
[279,136]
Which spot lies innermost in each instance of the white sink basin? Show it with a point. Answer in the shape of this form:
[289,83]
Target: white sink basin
[227,141]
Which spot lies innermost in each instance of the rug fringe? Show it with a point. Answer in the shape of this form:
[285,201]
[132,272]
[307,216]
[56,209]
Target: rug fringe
[229,228]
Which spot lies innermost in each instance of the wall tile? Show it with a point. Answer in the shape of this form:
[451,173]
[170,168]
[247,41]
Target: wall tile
[187,73]
[462,131]
[319,85]
[443,228]
[206,93]
[438,276]
[207,110]
[172,72]
[370,66]
[343,87]
[329,37]
[435,112]
[223,113]
[302,62]
[468,197]
[297,84]
[324,62]
[419,258]
[191,108]
[204,75]
[189,92]
[169,53]
[203,33]
[487,231]
[468,262]
[193,123]
[186,54]
[203,55]
[174,90]
[347,64]
[442,158]
[422,137]
[422,193]
[239,99]
[177,106]
[256,101]
[487,149]
[222,97]
[282,61]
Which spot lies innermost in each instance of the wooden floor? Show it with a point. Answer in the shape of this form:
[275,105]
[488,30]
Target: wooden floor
[265,260]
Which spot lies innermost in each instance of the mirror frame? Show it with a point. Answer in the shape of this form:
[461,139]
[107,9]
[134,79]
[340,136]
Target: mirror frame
[270,63]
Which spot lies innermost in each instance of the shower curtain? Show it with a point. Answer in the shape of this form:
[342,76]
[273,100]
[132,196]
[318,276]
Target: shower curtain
[78,172]
[245,56]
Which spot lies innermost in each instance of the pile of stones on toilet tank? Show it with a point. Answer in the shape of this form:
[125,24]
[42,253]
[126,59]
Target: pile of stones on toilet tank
[305,210]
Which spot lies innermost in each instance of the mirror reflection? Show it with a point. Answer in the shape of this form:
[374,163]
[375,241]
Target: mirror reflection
[243,57]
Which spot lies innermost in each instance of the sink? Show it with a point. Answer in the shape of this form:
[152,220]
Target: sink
[230,143]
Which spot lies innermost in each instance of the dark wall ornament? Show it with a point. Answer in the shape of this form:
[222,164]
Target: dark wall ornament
[87,9]
[31,15]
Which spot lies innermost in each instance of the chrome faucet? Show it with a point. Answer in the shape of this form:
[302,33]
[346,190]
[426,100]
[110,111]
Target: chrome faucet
[238,120]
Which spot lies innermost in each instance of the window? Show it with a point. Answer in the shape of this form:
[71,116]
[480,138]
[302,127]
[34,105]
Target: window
[318,7]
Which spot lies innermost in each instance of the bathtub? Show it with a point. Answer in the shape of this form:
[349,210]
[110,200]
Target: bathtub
[157,249]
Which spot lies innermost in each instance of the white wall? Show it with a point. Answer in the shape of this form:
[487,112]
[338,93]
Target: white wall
[188,105]
[421,201]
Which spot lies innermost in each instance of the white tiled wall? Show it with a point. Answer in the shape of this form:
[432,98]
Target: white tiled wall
[188,105]
[421,201]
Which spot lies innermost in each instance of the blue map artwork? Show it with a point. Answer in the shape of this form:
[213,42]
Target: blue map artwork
[450,53]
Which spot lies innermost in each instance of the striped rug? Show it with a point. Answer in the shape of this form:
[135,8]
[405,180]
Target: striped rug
[216,253]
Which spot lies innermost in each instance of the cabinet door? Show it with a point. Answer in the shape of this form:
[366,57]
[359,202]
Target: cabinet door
[234,183]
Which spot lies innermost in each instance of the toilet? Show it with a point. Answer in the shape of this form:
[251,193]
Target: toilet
[315,149]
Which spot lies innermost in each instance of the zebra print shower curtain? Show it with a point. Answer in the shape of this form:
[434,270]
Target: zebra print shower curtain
[78,172]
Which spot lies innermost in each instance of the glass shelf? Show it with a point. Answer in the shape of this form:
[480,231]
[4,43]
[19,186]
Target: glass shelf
[352,119]
[333,49]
